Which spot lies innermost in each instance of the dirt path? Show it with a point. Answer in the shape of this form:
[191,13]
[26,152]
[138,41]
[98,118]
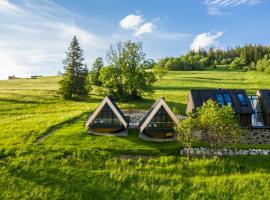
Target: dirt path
[41,138]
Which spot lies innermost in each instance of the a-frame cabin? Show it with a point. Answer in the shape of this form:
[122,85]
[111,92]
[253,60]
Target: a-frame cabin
[107,118]
[159,121]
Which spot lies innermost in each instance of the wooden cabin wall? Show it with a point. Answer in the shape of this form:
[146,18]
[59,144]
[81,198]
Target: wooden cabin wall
[266,120]
[245,120]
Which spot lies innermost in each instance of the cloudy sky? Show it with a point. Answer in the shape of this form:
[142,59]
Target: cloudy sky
[34,34]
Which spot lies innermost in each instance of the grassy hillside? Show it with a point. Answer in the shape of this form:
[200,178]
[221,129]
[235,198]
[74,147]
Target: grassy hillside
[71,163]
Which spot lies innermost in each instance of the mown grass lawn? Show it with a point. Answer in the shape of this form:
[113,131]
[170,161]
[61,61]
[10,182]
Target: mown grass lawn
[70,164]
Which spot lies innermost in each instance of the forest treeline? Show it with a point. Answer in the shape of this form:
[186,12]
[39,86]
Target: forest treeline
[248,57]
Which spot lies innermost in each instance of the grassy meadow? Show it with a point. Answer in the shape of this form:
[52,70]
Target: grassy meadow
[70,164]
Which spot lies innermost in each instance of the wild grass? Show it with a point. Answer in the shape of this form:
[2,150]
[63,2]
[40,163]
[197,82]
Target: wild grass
[57,173]
[71,164]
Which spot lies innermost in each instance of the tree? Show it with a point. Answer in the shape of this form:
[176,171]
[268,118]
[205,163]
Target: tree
[149,64]
[187,130]
[73,83]
[95,73]
[114,58]
[218,123]
[159,71]
[130,76]
[107,76]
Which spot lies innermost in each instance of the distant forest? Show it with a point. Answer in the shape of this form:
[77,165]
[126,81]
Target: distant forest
[248,57]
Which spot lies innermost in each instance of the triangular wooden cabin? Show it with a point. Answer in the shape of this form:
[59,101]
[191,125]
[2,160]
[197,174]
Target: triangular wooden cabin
[107,118]
[159,121]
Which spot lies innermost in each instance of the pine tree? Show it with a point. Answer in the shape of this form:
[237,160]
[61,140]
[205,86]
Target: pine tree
[73,83]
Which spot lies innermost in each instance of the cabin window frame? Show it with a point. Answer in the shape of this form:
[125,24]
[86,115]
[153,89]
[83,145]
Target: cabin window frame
[107,117]
[161,121]
[242,100]
[224,99]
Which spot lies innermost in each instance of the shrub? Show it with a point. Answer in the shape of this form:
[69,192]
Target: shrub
[218,123]
[187,132]
[267,70]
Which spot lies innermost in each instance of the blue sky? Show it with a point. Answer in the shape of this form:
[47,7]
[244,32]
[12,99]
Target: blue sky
[34,34]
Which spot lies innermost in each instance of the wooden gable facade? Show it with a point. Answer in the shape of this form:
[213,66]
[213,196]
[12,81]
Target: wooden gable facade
[159,121]
[107,118]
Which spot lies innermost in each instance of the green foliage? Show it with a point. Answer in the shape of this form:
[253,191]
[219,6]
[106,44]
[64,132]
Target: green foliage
[218,123]
[187,130]
[236,63]
[159,71]
[126,77]
[149,64]
[95,72]
[263,65]
[236,58]
[73,83]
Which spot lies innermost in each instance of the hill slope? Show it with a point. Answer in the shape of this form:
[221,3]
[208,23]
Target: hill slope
[69,164]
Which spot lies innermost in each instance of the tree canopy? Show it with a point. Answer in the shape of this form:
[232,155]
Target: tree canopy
[126,76]
[239,57]
[95,72]
[73,83]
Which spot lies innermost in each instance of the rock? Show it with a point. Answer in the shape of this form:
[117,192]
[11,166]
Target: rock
[219,153]
[198,152]
[231,152]
[191,152]
[253,153]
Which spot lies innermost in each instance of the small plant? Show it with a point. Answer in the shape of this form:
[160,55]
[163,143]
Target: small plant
[187,129]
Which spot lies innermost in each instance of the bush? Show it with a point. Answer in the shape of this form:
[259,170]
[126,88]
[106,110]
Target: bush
[218,123]
[267,70]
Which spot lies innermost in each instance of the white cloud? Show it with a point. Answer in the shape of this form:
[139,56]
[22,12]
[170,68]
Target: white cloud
[205,40]
[137,24]
[131,22]
[145,28]
[215,7]
[35,35]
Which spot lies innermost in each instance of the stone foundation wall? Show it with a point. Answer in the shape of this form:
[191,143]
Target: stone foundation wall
[223,152]
[256,136]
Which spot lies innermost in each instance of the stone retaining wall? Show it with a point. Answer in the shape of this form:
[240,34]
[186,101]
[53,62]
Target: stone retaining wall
[256,136]
[201,151]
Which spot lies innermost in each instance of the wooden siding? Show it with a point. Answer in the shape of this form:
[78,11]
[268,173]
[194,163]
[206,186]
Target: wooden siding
[245,120]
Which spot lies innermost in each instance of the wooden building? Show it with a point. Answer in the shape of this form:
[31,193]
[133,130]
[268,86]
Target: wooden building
[238,99]
[107,118]
[264,100]
[159,121]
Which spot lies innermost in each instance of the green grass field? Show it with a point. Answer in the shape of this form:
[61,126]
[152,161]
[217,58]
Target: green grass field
[70,164]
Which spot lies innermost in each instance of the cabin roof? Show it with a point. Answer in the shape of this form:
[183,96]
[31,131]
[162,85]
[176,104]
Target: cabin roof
[109,101]
[202,95]
[153,110]
[264,97]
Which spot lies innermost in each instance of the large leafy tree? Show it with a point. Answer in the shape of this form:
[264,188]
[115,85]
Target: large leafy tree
[127,77]
[73,83]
